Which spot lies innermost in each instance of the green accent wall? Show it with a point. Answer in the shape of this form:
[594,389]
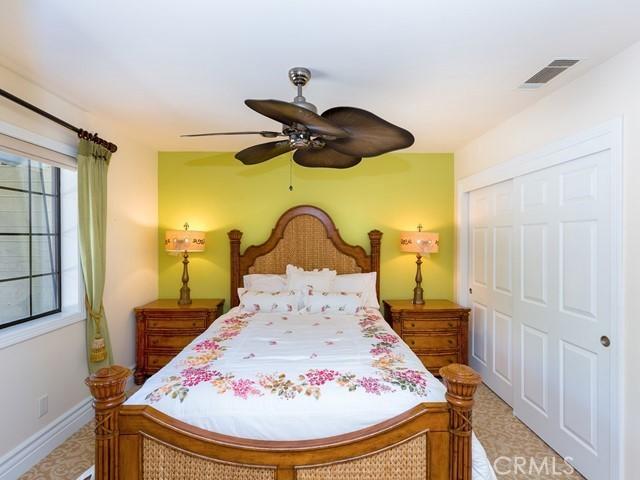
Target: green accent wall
[216,193]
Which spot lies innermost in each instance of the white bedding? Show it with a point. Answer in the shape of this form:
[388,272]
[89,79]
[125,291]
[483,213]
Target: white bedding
[295,377]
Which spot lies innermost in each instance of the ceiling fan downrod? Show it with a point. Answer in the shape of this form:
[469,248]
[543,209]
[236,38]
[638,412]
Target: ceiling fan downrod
[300,76]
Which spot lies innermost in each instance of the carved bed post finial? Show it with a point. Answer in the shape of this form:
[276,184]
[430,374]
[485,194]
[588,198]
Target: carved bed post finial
[461,382]
[107,388]
[234,241]
[375,237]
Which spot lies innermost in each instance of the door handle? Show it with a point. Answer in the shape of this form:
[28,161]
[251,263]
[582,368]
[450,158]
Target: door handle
[604,340]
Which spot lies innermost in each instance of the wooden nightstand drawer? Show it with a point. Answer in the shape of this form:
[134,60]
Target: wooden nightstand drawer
[421,325]
[176,322]
[169,341]
[164,329]
[437,331]
[157,360]
[433,361]
[417,342]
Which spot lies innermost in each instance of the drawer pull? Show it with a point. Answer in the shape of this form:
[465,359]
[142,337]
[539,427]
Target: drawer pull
[450,341]
[413,325]
[450,324]
[413,342]
[154,361]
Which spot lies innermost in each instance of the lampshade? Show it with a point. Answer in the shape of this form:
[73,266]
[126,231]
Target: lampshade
[419,242]
[184,240]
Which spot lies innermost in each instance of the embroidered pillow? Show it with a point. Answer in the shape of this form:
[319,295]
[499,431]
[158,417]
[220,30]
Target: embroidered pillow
[265,282]
[299,279]
[333,302]
[359,282]
[268,302]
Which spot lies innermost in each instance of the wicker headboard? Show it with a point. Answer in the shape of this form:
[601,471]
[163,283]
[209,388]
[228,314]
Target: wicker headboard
[307,237]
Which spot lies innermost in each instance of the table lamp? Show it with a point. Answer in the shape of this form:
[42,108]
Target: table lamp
[419,243]
[185,241]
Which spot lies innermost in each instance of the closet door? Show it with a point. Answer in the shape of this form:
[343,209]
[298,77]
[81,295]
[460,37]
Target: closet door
[562,304]
[490,282]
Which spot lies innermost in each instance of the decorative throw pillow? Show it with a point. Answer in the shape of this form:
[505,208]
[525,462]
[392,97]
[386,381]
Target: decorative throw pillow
[299,279]
[333,302]
[265,282]
[268,302]
[359,282]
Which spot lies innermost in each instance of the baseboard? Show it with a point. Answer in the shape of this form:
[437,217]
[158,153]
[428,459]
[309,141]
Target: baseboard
[41,443]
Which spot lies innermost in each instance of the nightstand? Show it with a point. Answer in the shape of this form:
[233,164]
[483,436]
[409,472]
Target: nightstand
[164,328]
[437,331]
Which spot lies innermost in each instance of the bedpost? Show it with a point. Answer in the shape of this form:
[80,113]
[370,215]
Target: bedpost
[375,236]
[461,382]
[107,387]
[234,242]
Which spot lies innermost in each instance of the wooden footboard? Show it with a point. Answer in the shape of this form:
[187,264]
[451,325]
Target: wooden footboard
[430,441]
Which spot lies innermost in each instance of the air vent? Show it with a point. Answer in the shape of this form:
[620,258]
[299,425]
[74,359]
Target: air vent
[549,72]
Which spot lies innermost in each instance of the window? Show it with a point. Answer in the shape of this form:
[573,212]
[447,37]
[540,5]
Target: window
[30,273]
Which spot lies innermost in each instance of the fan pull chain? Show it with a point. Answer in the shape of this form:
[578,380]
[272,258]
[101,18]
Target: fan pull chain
[291,173]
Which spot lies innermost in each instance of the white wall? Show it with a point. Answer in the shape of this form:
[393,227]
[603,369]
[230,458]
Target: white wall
[609,90]
[55,363]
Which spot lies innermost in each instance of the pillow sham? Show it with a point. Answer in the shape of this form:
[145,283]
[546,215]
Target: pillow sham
[265,282]
[268,302]
[299,279]
[359,282]
[333,302]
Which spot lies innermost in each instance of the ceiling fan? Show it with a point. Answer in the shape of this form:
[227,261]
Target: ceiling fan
[339,138]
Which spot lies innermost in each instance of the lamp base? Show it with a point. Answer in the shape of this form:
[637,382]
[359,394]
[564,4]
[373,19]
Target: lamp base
[185,296]
[418,291]
[418,296]
[185,291]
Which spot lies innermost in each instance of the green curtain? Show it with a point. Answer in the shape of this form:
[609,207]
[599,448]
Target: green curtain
[93,164]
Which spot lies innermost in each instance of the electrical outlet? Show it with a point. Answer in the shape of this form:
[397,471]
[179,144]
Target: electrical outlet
[43,406]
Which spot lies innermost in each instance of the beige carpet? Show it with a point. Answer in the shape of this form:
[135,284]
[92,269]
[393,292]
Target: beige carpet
[503,436]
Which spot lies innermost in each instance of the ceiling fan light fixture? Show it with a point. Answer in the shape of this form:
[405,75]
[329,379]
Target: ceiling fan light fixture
[299,139]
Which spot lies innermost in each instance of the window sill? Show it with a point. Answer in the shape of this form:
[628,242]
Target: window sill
[35,328]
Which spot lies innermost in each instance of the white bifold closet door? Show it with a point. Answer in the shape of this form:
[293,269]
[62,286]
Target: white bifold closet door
[540,294]
[491,286]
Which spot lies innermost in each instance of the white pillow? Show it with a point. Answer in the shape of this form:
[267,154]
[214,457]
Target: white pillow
[333,302]
[301,280]
[268,302]
[359,282]
[265,282]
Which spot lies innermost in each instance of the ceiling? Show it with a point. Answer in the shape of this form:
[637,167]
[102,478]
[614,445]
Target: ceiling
[445,70]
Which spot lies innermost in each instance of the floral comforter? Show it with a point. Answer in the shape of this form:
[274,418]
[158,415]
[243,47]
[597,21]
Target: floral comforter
[275,376]
[292,377]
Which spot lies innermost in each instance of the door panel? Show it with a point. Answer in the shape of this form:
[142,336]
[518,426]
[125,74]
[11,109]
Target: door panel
[533,365]
[491,283]
[479,332]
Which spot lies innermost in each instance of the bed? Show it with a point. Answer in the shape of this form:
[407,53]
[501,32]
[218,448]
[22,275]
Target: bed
[289,396]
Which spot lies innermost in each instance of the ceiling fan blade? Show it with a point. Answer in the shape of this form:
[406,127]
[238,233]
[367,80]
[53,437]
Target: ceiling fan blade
[287,113]
[369,135]
[264,133]
[324,158]
[263,152]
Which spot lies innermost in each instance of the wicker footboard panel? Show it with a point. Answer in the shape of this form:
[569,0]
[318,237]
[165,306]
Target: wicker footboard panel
[160,462]
[407,461]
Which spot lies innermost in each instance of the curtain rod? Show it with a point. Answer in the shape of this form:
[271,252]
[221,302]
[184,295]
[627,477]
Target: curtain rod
[112,147]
